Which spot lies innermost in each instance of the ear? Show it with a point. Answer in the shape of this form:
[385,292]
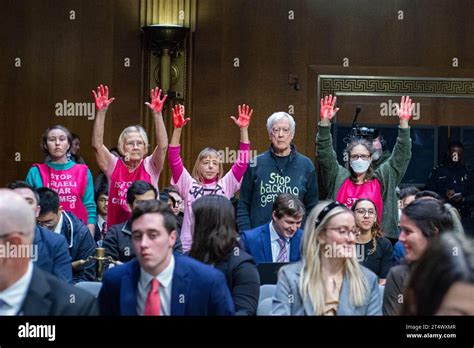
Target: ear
[274,217]
[37,211]
[60,210]
[172,238]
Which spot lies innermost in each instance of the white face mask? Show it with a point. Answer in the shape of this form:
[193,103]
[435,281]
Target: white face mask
[376,155]
[360,165]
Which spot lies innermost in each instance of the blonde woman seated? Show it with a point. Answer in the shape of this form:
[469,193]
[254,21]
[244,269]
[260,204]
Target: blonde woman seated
[328,280]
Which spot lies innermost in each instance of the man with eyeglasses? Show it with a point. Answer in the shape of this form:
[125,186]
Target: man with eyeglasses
[52,250]
[80,242]
[280,169]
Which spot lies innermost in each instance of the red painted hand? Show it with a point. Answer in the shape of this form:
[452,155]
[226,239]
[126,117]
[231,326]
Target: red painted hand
[326,109]
[178,116]
[101,97]
[156,101]
[405,108]
[244,116]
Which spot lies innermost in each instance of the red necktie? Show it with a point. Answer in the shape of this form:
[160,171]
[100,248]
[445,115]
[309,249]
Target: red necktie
[152,303]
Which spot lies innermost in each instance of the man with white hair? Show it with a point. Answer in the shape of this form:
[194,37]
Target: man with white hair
[281,169]
[24,288]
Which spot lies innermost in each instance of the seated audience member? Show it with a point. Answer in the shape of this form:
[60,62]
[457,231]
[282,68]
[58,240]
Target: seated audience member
[328,280]
[158,281]
[178,205]
[79,239]
[215,243]
[52,249]
[442,282]
[280,239]
[118,241]
[421,220]
[25,289]
[406,196]
[376,251]
[101,200]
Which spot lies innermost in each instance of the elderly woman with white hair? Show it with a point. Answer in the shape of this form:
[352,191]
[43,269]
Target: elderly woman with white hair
[328,280]
[280,169]
[133,147]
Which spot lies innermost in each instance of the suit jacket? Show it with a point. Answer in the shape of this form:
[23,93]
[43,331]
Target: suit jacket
[258,244]
[48,295]
[53,255]
[118,242]
[197,289]
[288,284]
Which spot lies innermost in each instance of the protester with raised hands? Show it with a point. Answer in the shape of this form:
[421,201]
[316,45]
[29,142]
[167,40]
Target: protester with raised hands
[207,177]
[133,146]
[358,179]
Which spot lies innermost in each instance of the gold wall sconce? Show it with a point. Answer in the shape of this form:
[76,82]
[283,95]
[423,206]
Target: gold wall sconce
[167,43]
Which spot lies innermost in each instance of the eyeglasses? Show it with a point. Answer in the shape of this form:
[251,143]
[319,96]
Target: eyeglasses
[363,211]
[135,143]
[345,232]
[285,131]
[356,157]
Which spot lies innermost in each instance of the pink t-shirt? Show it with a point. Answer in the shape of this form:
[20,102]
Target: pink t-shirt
[120,178]
[349,193]
[190,190]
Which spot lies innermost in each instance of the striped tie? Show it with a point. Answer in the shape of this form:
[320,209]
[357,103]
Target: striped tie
[282,255]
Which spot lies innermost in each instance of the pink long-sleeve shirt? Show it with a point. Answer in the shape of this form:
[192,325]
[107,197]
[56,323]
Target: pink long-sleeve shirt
[190,189]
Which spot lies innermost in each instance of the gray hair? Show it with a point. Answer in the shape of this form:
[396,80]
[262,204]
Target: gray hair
[17,215]
[278,116]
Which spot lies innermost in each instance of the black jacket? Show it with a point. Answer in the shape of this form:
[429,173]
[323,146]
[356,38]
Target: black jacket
[47,295]
[118,243]
[243,281]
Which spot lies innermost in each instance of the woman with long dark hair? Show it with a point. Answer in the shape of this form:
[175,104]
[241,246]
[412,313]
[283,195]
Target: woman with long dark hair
[374,250]
[215,243]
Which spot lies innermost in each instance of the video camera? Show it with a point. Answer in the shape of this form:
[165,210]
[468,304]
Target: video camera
[358,131]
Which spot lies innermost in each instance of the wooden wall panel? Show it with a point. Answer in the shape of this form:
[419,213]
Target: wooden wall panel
[64,60]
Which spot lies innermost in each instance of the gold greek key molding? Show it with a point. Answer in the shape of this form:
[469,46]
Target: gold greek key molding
[440,87]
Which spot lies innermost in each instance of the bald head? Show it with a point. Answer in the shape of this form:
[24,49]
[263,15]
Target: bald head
[16,215]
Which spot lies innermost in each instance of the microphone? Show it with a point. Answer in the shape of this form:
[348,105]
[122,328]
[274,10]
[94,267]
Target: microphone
[358,110]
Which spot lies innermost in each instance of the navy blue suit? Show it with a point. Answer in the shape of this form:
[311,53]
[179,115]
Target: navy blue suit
[197,289]
[258,244]
[53,254]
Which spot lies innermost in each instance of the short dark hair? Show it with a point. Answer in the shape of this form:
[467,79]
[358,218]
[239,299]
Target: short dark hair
[408,191]
[102,189]
[214,233]
[49,200]
[455,143]
[44,137]
[23,184]
[155,207]
[139,187]
[75,136]
[429,215]
[428,193]
[436,271]
[287,204]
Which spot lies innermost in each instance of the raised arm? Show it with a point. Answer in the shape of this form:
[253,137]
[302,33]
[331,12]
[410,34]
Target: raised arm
[156,106]
[102,101]
[174,158]
[243,158]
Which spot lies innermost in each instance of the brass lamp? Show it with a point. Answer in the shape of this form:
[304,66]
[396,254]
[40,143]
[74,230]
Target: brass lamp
[166,43]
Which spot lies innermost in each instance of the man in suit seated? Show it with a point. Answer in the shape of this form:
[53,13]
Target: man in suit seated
[79,239]
[52,253]
[158,281]
[279,240]
[118,241]
[24,288]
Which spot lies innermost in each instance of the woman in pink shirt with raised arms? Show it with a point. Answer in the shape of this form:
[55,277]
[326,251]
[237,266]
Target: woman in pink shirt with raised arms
[207,177]
[133,146]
